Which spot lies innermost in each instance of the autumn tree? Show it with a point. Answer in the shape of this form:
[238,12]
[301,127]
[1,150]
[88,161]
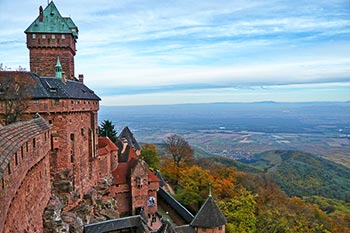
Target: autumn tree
[107,129]
[240,212]
[150,155]
[194,183]
[169,170]
[179,149]
[15,94]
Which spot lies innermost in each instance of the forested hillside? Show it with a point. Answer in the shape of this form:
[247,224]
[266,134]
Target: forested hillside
[250,198]
[303,174]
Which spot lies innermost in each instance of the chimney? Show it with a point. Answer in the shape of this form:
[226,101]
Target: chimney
[81,78]
[41,15]
[64,78]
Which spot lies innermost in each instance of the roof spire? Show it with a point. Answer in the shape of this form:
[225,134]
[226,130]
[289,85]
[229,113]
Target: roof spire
[209,189]
[58,69]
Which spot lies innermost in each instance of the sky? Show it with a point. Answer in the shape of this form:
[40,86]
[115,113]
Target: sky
[151,52]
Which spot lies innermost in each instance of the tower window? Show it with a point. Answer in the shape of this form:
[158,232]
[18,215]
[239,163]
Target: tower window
[63,37]
[33,36]
[43,36]
[53,36]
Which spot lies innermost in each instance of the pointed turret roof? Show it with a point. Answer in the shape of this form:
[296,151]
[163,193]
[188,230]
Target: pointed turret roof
[209,215]
[58,63]
[129,136]
[51,21]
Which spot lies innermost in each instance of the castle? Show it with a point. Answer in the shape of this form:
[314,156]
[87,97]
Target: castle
[50,145]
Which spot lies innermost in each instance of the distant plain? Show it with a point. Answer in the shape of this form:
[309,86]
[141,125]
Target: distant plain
[241,130]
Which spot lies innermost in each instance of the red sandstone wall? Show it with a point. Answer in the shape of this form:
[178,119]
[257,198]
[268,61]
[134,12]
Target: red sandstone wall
[62,105]
[123,202]
[139,190]
[26,187]
[26,210]
[103,165]
[44,52]
[114,160]
[212,230]
[74,139]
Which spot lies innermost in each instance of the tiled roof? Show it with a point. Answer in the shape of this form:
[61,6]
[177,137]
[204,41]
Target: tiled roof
[133,222]
[185,229]
[209,215]
[53,22]
[175,205]
[152,177]
[105,146]
[123,170]
[13,136]
[128,135]
[121,173]
[50,87]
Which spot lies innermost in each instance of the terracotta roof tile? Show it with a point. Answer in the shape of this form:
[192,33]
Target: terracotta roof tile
[105,146]
[152,177]
[121,173]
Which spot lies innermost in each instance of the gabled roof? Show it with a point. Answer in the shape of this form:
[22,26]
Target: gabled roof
[53,22]
[105,146]
[209,215]
[124,170]
[13,136]
[128,135]
[152,177]
[50,87]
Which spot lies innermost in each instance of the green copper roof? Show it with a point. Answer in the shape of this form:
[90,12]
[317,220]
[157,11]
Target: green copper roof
[58,63]
[53,22]
[58,68]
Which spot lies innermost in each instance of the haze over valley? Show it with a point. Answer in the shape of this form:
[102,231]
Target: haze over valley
[240,130]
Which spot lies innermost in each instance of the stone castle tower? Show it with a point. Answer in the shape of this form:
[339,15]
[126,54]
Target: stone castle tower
[49,37]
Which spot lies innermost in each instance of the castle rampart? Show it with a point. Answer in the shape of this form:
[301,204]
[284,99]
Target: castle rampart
[24,172]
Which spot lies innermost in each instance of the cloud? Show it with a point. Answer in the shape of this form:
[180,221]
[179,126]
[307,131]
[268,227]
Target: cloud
[145,46]
[282,93]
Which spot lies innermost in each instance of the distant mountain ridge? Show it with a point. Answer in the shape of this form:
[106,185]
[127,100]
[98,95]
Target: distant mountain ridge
[303,174]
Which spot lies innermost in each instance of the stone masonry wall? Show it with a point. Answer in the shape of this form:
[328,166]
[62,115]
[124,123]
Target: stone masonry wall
[74,148]
[44,50]
[27,207]
[212,230]
[139,186]
[25,185]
